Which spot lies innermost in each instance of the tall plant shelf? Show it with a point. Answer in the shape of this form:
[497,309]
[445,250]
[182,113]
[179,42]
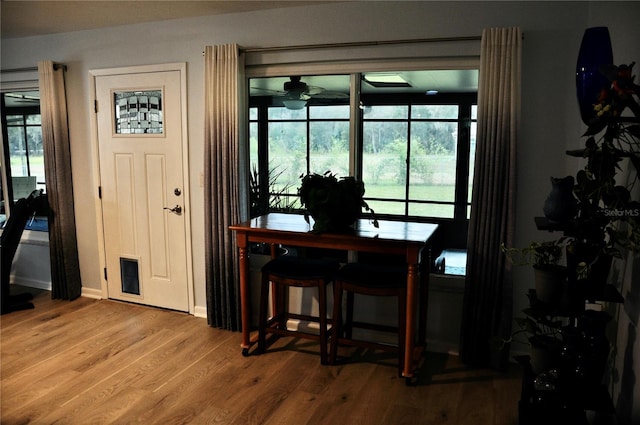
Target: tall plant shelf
[573,382]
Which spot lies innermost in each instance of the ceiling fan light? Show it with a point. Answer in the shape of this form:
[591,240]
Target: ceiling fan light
[294,104]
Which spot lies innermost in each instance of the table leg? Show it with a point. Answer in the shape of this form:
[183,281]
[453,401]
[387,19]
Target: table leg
[245,302]
[409,340]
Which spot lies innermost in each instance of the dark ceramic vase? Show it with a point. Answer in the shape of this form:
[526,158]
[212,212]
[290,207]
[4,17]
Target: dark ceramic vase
[595,51]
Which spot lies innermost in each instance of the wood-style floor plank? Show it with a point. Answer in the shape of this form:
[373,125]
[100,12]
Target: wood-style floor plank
[105,362]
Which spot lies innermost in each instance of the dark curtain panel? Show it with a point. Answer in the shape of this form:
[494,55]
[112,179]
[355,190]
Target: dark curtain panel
[488,298]
[63,245]
[223,182]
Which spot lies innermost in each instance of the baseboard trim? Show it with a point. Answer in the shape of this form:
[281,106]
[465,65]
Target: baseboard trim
[31,283]
[199,311]
[91,293]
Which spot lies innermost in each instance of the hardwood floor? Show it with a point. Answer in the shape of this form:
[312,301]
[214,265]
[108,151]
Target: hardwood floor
[103,362]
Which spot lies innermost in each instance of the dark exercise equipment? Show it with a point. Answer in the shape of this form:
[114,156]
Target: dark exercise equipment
[23,209]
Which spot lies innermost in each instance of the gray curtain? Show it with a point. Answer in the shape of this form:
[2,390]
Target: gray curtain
[488,298]
[63,245]
[225,177]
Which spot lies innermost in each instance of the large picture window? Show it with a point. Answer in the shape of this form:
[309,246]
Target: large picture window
[413,150]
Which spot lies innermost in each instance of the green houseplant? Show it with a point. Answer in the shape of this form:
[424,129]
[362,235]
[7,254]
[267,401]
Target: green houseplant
[334,203]
[550,277]
[608,217]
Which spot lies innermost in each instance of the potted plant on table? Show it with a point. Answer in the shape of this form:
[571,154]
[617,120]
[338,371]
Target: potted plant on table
[334,203]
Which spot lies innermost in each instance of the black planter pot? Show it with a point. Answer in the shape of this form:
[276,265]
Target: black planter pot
[545,353]
[551,285]
[591,285]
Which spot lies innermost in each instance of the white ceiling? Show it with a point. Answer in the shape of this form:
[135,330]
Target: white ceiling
[22,18]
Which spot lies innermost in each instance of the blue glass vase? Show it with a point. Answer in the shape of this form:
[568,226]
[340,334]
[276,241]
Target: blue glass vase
[595,51]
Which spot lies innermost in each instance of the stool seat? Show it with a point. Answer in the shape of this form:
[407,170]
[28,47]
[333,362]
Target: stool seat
[374,275]
[372,280]
[305,268]
[290,271]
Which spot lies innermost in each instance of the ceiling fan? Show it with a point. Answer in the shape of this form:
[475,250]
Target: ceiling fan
[296,93]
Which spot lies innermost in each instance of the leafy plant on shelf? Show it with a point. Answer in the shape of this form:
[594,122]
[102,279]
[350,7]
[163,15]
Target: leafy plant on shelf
[334,203]
[548,253]
[608,217]
[539,329]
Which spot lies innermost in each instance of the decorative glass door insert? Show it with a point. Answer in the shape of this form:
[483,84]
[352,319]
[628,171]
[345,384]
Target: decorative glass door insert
[138,112]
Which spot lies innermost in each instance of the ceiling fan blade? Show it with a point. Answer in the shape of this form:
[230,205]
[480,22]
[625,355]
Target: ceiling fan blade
[271,92]
[313,90]
[326,94]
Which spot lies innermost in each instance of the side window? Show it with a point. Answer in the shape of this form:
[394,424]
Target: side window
[23,153]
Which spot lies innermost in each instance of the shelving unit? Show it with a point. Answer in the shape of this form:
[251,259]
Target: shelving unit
[574,385]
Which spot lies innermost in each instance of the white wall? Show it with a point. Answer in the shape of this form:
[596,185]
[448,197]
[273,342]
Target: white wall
[552,35]
[550,118]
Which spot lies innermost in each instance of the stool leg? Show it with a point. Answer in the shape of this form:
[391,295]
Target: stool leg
[402,326]
[336,329]
[348,325]
[262,321]
[322,312]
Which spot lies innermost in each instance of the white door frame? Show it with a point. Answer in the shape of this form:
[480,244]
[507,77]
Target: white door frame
[182,68]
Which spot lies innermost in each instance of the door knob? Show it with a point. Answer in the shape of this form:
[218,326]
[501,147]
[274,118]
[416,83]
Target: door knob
[177,210]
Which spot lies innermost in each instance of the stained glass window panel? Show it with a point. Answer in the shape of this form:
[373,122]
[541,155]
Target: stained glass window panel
[138,112]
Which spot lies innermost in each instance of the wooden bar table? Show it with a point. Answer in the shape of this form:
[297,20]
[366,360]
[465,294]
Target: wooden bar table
[392,237]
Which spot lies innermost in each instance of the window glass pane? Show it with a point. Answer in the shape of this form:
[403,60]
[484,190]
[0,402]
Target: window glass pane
[253,144]
[253,114]
[34,119]
[472,160]
[287,154]
[433,161]
[18,152]
[474,112]
[384,161]
[431,210]
[329,111]
[36,154]
[434,111]
[13,120]
[282,113]
[384,207]
[3,201]
[329,147]
[386,112]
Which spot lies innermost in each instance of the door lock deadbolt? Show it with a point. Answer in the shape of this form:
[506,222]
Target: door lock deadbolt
[177,191]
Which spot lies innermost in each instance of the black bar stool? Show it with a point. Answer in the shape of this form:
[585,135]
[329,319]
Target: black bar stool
[287,271]
[374,280]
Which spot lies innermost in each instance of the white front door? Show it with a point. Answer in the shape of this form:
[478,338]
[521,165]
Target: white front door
[141,144]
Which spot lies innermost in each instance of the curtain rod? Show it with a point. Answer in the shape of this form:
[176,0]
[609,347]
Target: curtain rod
[359,44]
[31,68]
